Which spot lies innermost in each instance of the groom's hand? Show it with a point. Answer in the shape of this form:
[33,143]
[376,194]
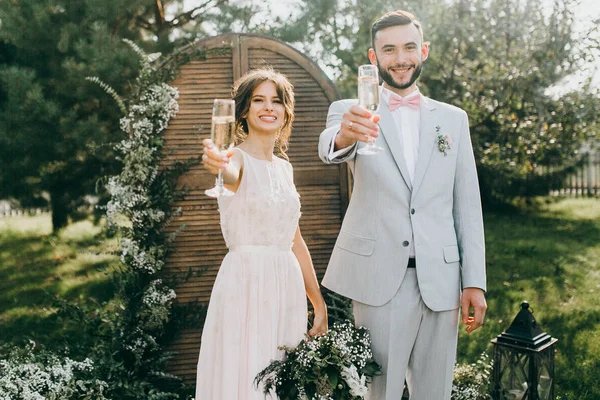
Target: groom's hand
[358,124]
[473,299]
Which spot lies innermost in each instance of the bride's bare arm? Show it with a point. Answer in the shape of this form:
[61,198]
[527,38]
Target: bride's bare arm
[311,284]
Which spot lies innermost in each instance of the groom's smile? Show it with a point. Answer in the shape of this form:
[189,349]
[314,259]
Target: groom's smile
[401,70]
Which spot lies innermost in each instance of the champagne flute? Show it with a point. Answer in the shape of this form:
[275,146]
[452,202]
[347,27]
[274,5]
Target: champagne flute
[222,134]
[368,98]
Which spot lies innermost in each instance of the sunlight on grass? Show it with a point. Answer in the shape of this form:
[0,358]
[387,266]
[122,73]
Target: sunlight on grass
[586,209]
[20,312]
[36,267]
[79,231]
[35,225]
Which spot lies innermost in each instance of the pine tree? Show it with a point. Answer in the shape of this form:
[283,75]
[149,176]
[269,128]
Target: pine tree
[57,129]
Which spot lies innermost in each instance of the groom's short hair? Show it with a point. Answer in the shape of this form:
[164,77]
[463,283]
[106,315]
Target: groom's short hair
[394,18]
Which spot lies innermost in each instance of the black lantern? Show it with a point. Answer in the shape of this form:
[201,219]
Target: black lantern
[523,360]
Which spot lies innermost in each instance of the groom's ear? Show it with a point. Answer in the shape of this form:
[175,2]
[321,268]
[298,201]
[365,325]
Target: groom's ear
[425,51]
[372,56]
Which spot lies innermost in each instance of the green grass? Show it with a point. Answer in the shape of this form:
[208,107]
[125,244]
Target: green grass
[550,257]
[36,267]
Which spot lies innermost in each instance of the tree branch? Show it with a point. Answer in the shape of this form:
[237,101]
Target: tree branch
[487,118]
[187,16]
[141,22]
[159,12]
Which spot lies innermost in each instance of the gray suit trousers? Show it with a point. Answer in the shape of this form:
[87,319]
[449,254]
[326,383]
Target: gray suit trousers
[410,341]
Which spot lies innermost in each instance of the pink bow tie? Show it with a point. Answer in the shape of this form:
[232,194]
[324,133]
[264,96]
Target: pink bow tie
[396,101]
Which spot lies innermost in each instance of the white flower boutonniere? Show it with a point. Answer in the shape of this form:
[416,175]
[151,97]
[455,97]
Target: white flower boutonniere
[444,141]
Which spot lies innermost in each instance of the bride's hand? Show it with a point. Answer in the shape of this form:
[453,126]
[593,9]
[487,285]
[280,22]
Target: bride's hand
[320,324]
[212,159]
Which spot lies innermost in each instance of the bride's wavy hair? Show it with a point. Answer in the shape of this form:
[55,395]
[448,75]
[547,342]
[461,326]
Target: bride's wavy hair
[242,94]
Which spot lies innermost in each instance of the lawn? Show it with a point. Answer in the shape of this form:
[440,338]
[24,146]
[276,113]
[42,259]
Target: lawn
[36,267]
[549,256]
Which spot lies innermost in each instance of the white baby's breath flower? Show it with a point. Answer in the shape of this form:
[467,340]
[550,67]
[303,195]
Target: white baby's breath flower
[28,375]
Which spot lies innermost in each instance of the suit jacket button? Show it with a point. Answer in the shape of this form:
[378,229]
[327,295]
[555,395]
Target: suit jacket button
[405,243]
[412,211]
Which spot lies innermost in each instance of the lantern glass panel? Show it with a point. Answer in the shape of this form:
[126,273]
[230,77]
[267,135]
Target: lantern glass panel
[544,379]
[514,378]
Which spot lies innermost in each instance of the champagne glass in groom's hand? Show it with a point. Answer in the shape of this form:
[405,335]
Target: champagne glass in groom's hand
[222,135]
[368,98]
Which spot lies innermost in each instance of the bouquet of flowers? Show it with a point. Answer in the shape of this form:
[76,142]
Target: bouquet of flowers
[335,366]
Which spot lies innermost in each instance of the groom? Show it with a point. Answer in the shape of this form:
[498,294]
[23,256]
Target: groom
[411,248]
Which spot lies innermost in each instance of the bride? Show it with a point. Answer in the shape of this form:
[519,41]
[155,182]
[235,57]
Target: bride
[258,301]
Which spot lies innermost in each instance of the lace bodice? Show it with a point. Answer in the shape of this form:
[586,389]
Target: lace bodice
[265,209]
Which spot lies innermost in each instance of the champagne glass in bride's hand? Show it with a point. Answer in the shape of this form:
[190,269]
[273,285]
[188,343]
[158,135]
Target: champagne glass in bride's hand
[222,133]
[368,98]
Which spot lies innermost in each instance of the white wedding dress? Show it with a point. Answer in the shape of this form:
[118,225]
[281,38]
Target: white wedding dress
[258,301]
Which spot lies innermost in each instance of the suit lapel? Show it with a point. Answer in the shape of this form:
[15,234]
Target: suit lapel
[390,134]
[426,140]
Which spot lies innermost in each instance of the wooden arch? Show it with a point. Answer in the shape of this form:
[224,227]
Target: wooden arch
[323,189]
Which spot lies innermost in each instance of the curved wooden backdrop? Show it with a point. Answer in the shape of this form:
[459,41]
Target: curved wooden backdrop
[323,189]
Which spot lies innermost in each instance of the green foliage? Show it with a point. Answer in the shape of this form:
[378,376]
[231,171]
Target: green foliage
[498,60]
[125,335]
[339,308]
[110,91]
[472,381]
[103,335]
[142,194]
[29,373]
[54,146]
[56,128]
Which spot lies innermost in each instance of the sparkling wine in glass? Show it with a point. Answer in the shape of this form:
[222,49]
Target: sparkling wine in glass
[368,98]
[222,134]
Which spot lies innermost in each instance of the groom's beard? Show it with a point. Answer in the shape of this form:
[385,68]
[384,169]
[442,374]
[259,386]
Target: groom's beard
[387,77]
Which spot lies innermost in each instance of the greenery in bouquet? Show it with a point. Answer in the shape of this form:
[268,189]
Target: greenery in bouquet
[335,366]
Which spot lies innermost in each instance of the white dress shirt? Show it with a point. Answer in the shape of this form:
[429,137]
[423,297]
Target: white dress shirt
[408,124]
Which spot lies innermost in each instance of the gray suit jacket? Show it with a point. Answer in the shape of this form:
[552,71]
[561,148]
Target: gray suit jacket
[442,210]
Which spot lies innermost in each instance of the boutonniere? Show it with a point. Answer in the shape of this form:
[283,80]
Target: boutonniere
[444,141]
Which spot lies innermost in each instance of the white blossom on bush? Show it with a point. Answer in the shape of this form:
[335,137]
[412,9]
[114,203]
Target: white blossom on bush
[149,260]
[138,207]
[131,198]
[156,304]
[471,380]
[139,343]
[157,294]
[29,375]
